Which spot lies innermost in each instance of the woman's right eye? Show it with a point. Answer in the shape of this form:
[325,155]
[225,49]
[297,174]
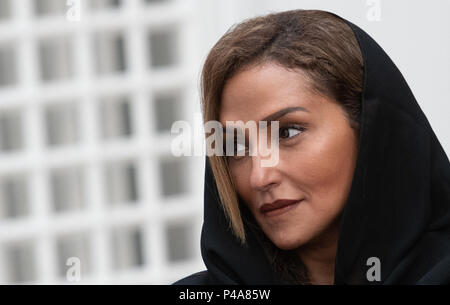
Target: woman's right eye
[239,148]
[239,151]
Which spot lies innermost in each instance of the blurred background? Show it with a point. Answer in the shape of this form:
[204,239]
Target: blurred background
[88,93]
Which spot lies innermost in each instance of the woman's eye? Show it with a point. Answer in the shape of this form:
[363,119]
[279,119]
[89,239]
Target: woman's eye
[240,151]
[240,148]
[289,132]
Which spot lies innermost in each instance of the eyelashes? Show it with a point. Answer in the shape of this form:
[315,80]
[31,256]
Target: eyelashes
[286,133]
[290,131]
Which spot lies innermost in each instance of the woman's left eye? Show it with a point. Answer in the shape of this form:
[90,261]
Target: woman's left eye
[290,131]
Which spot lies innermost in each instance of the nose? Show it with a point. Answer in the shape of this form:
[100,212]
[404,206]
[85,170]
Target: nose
[263,178]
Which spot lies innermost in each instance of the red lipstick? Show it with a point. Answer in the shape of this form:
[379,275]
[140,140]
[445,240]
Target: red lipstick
[278,207]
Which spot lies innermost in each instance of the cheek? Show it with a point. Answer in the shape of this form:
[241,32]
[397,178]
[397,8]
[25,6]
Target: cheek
[240,172]
[324,166]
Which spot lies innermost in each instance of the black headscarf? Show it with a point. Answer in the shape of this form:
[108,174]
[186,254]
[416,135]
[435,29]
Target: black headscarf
[398,208]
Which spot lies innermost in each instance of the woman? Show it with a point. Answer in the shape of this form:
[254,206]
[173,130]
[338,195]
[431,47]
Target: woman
[361,191]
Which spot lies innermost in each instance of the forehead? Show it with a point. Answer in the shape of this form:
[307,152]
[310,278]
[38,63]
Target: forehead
[258,91]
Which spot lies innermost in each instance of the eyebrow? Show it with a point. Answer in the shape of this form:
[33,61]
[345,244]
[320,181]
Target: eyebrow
[276,115]
[282,112]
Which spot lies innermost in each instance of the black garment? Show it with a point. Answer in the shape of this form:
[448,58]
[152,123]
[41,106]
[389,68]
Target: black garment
[398,208]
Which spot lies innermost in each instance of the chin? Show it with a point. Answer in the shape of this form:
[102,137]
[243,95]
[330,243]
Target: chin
[288,240]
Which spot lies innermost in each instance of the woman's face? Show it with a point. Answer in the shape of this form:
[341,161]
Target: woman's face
[317,154]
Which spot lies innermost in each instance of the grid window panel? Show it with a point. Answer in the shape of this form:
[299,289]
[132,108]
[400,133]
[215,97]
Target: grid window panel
[56,58]
[14,200]
[179,237]
[19,262]
[173,172]
[168,109]
[156,1]
[62,124]
[121,182]
[5,9]
[11,131]
[75,75]
[105,4]
[116,117]
[74,245]
[8,65]
[110,53]
[67,189]
[163,47]
[50,7]
[127,247]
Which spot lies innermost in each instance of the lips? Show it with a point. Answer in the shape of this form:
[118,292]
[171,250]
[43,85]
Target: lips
[278,207]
